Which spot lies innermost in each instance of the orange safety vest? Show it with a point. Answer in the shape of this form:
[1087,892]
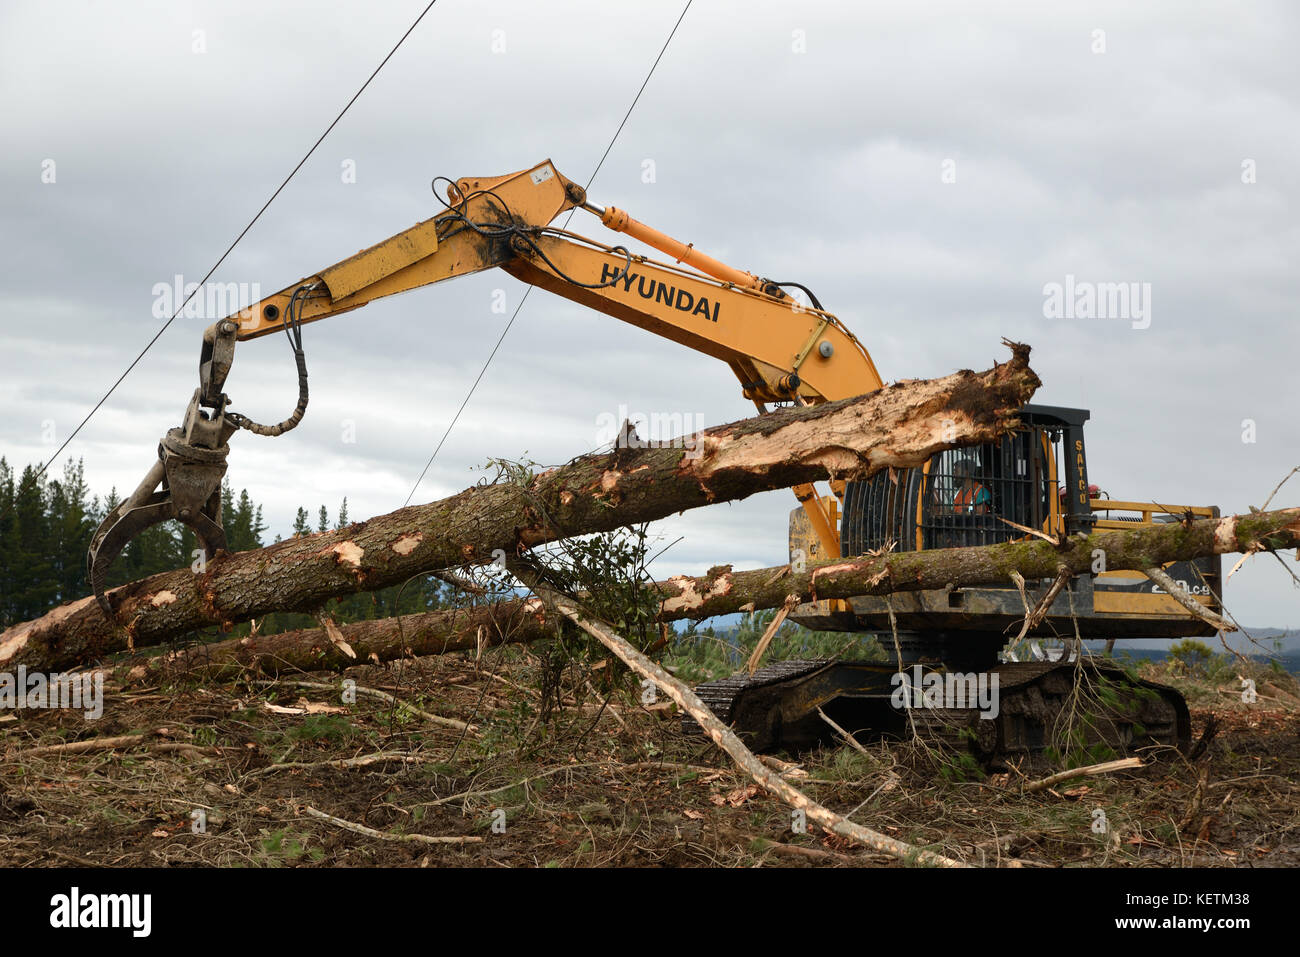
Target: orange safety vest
[966,500]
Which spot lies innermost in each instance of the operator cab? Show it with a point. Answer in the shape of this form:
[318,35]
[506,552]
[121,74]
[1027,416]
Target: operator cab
[968,496]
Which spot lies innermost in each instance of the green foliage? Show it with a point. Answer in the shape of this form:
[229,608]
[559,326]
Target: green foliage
[1195,658]
[958,766]
[332,729]
[1076,743]
[45,528]
[507,730]
[287,847]
[847,764]
[608,572]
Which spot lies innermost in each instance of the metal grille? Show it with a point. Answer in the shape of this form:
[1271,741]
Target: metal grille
[961,500]
[879,511]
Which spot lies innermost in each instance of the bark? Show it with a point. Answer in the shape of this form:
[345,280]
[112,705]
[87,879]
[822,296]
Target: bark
[901,425]
[1175,591]
[723,591]
[387,639]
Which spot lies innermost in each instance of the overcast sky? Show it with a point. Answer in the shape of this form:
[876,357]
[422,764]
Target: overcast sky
[927,169]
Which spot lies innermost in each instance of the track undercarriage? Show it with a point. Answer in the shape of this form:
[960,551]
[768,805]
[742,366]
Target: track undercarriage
[1022,714]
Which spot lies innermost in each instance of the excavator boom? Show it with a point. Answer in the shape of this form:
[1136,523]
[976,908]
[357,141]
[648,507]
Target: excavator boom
[780,349]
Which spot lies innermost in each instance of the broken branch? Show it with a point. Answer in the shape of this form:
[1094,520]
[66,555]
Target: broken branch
[1106,767]
[726,739]
[1176,592]
[385,836]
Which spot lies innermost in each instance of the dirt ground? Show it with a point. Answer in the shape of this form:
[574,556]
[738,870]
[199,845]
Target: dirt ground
[238,774]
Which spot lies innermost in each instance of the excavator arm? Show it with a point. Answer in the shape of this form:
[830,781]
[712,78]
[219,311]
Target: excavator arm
[779,349]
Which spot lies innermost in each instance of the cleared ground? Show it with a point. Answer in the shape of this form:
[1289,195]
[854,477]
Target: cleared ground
[592,785]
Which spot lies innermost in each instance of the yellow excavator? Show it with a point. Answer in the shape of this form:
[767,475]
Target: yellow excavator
[783,351]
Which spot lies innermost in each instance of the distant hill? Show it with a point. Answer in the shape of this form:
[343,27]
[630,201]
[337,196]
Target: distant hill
[1289,662]
[1280,644]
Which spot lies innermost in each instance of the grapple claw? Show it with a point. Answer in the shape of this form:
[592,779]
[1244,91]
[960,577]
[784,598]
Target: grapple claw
[184,484]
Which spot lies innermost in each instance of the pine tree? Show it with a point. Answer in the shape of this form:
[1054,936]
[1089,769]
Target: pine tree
[8,546]
[71,525]
[227,504]
[245,527]
[323,520]
[301,523]
[32,573]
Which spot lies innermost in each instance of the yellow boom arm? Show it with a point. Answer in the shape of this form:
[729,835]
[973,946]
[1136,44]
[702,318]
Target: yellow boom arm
[779,349]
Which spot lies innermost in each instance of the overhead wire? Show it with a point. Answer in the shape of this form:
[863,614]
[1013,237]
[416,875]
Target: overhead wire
[229,249]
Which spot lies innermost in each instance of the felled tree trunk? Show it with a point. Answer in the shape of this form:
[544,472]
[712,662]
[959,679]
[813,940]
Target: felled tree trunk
[901,425]
[384,639]
[723,591]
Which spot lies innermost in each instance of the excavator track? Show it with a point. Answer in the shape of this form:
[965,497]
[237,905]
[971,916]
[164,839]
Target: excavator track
[1035,703]
[721,695]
